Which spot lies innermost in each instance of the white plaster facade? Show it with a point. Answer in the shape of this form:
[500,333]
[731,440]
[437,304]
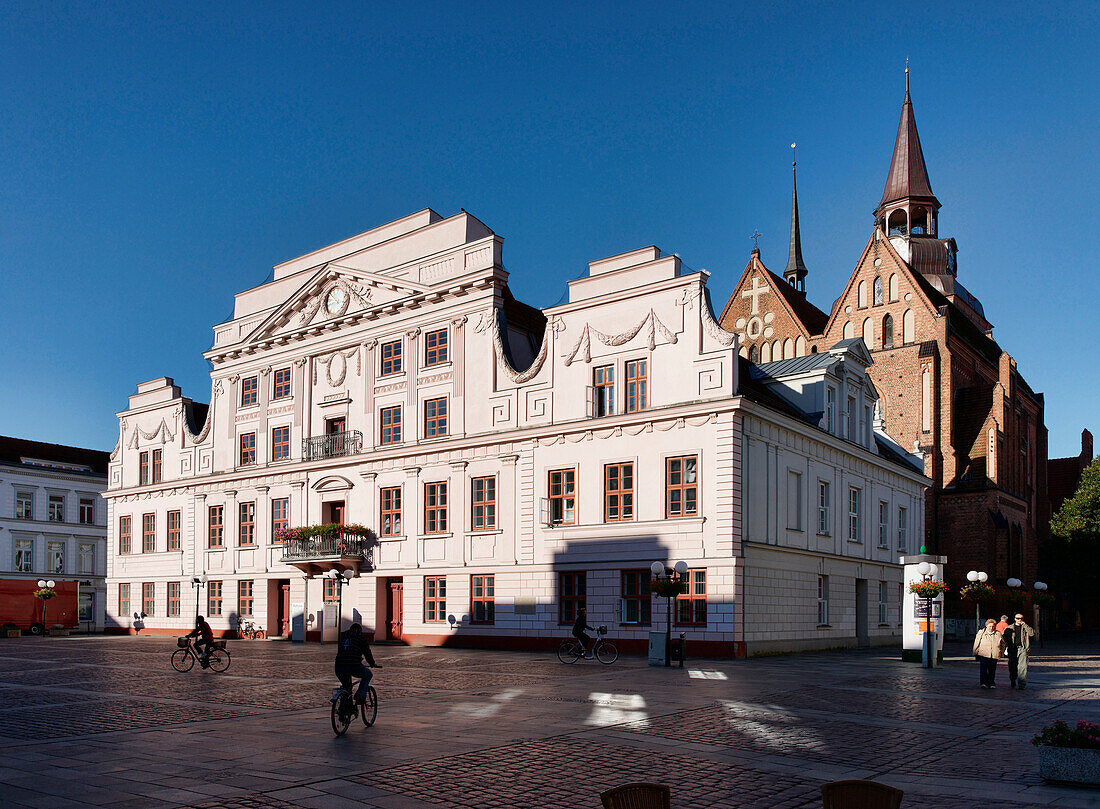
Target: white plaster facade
[523,407]
[53,520]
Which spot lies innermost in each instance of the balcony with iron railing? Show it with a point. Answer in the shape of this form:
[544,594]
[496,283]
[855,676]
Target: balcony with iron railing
[332,445]
[336,550]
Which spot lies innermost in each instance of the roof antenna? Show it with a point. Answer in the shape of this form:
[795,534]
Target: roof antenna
[794,155]
[906,76]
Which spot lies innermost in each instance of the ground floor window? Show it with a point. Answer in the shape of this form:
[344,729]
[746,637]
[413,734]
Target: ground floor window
[173,599]
[636,601]
[328,594]
[822,600]
[214,598]
[86,608]
[124,601]
[148,598]
[482,606]
[691,605]
[244,599]
[572,589]
[435,598]
[883,601]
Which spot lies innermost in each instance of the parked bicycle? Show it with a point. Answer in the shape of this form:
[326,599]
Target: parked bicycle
[247,630]
[572,650]
[345,709]
[183,659]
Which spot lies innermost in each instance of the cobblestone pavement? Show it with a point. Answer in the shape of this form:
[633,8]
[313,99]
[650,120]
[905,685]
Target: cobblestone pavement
[107,722]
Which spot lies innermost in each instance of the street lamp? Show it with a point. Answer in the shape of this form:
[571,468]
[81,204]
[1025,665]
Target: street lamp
[977,577]
[669,576]
[1039,588]
[928,572]
[43,584]
[341,578]
[197,582]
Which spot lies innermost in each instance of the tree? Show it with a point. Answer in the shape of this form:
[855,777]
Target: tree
[1071,557]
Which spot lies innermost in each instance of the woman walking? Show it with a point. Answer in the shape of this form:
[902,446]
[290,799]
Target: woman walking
[989,647]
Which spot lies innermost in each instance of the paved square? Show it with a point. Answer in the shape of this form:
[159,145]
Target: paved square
[107,722]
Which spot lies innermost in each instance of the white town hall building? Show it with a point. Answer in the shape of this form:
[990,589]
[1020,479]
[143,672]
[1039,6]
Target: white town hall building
[514,464]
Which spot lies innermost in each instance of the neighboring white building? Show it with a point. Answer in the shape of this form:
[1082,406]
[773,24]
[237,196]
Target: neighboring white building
[515,463]
[53,520]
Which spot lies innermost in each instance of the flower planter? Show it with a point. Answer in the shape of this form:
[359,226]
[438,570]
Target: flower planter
[1070,765]
[56,632]
[14,633]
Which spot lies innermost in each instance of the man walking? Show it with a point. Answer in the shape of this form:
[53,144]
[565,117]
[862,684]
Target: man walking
[1018,645]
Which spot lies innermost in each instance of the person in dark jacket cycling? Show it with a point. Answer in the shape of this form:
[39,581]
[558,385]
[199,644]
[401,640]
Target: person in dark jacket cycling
[205,639]
[350,651]
[579,627]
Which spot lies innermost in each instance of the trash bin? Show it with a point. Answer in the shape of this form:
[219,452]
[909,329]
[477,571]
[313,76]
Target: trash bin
[678,650]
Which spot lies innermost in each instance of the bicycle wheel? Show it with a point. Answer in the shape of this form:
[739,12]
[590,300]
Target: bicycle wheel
[341,721]
[606,652]
[369,708]
[182,660]
[259,635]
[570,651]
[219,660]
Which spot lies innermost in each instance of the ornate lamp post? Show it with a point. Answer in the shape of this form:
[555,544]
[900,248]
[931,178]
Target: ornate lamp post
[341,578]
[45,593]
[669,583]
[977,577]
[197,582]
[1040,587]
[928,572]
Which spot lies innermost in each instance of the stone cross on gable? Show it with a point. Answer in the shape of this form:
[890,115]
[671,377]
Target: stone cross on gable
[757,290]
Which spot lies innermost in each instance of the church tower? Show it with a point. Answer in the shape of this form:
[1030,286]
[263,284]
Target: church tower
[795,274]
[908,210]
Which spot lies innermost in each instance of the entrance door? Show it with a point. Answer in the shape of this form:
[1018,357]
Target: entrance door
[394,609]
[863,637]
[284,609]
[337,425]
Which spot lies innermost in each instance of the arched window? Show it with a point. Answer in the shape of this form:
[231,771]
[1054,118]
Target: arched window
[894,287]
[777,351]
[800,346]
[753,356]
[766,352]
[744,352]
[813,349]
[878,291]
[908,327]
[861,298]
[898,225]
[919,225]
[849,330]
[788,349]
[869,333]
[888,331]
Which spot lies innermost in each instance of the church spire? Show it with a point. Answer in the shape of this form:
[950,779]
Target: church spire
[908,205]
[795,274]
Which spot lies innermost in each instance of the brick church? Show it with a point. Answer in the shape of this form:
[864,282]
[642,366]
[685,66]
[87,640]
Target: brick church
[948,391]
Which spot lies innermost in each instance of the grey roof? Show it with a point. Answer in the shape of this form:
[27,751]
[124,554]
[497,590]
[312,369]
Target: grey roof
[794,365]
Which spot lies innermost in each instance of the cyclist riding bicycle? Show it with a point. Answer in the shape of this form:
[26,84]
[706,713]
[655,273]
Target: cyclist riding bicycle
[350,651]
[579,627]
[205,642]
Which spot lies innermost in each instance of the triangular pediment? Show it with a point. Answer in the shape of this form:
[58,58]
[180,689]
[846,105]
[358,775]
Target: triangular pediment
[333,292]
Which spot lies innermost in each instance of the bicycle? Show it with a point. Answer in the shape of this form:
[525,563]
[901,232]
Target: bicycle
[571,650]
[247,630]
[345,709]
[183,659]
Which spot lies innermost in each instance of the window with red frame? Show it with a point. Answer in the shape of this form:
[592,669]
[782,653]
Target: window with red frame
[482,599]
[148,533]
[636,386]
[571,586]
[124,600]
[215,537]
[244,598]
[603,380]
[173,599]
[691,606]
[280,443]
[158,465]
[391,358]
[435,508]
[435,599]
[173,519]
[280,515]
[391,424]
[248,449]
[390,518]
[143,468]
[281,385]
[563,493]
[328,591]
[249,391]
[636,601]
[246,525]
[435,347]
[214,598]
[435,417]
[124,535]
[149,598]
[681,486]
[483,495]
[618,492]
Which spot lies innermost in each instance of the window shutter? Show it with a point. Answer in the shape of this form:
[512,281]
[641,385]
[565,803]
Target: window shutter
[590,402]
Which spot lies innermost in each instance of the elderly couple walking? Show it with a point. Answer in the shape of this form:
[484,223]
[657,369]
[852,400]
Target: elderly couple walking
[1012,641]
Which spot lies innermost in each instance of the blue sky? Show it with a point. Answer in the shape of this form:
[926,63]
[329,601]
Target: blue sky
[159,157]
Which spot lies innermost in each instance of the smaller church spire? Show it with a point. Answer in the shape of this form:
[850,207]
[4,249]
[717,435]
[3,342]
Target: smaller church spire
[795,274]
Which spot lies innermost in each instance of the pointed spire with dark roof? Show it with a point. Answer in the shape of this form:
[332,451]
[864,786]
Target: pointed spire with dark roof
[795,274]
[908,177]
